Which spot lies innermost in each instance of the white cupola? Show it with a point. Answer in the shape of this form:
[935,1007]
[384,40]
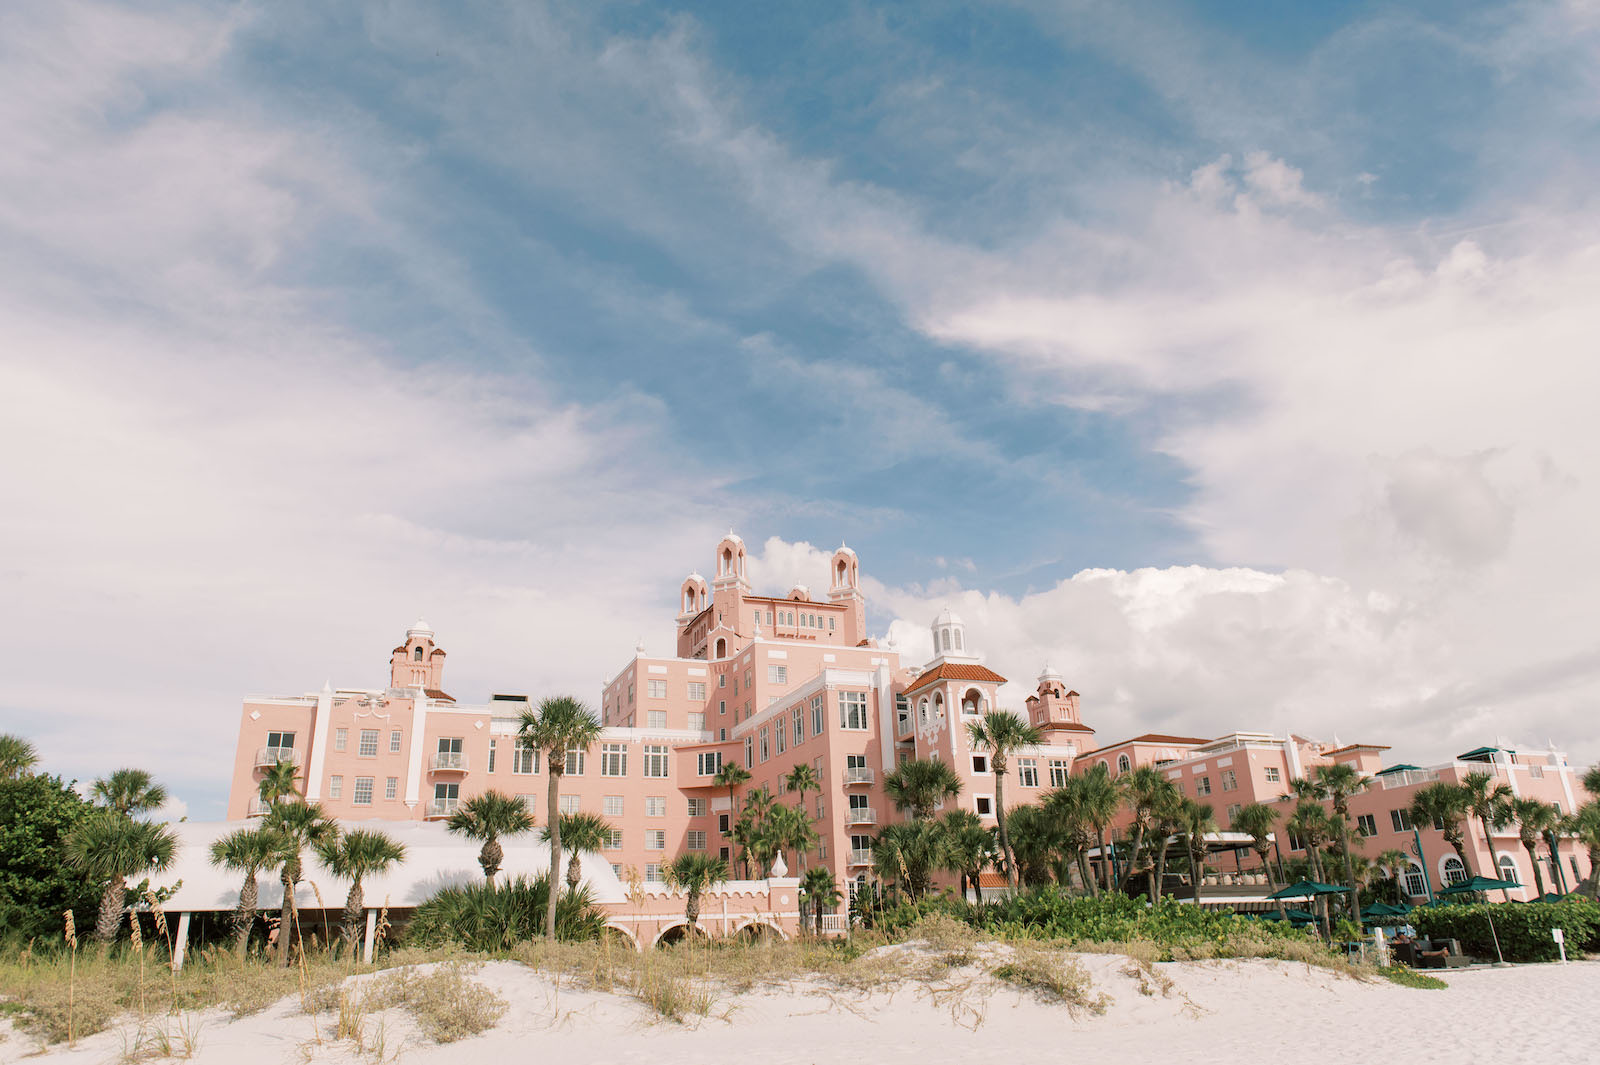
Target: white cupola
[950,636]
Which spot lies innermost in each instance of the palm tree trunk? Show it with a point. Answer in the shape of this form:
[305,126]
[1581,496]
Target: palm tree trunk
[1591,883]
[1194,871]
[1133,859]
[1000,823]
[1105,860]
[574,872]
[286,917]
[1160,871]
[554,814]
[244,918]
[490,858]
[1350,882]
[691,909]
[977,888]
[353,913]
[110,917]
[1494,856]
[1533,859]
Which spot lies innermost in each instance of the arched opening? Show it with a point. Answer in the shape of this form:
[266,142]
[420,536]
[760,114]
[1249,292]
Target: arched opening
[938,704]
[619,936]
[725,567]
[722,648]
[1451,871]
[958,639]
[840,579]
[1508,869]
[946,637]
[922,711]
[676,934]
[972,702]
[1123,765]
[1413,882]
[758,932]
[418,655]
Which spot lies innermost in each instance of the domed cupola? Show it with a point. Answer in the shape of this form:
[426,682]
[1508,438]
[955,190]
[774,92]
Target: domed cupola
[950,636]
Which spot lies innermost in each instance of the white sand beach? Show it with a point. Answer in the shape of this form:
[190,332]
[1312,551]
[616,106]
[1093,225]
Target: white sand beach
[1241,1011]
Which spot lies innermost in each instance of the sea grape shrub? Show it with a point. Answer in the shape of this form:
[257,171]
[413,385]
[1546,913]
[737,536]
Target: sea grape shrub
[1523,928]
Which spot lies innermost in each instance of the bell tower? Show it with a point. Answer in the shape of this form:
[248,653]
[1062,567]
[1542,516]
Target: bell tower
[417,663]
[844,588]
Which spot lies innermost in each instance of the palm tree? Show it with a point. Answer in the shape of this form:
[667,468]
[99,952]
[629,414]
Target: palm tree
[581,833]
[486,818]
[1101,799]
[562,724]
[1001,732]
[968,847]
[906,854]
[1036,841]
[1533,819]
[109,848]
[694,872]
[1339,782]
[920,784]
[1313,825]
[1144,788]
[1394,863]
[818,891]
[785,828]
[279,782]
[802,778]
[352,857]
[1444,804]
[1488,799]
[293,827]
[731,775]
[1197,822]
[1591,781]
[1164,824]
[1586,825]
[17,757]
[129,792]
[1257,820]
[247,851]
[1067,809]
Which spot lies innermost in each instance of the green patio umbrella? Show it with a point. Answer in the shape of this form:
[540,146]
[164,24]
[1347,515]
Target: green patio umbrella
[1295,917]
[1306,889]
[1483,883]
[1382,912]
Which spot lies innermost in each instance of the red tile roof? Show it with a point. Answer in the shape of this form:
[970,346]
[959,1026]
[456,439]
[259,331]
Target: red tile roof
[1356,747]
[435,693]
[955,671]
[1148,737]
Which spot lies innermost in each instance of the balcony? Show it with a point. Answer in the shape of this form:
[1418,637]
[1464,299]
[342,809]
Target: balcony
[440,808]
[860,815]
[267,757]
[1407,777]
[258,807]
[860,857]
[858,775]
[448,762]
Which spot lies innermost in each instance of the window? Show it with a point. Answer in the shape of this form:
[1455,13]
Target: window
[749,679]
[722,706]
[369,743]
[613,840]
[655,806]
[1508,869]
[749,751]
[1454,871]
[361,794]
[1123,764]
[394,741]
[722,823]
[652,873]
[707,763]
[391,787]
[722,734]
[1059,769]
[781,735]
[983,805]
[1273,776]
[697,722]
[853,710]
[1229,782]
[570,804]
[445,795]
[1028,772]
[417,655]
[655,759]
[1400,820]
[799,720]
[335,786]
[1536,772]
[980,763]
[765,744]
[524,757]
[1202,786]
[857,801]
[1415,885]
[697,807]
[613,806]
[1367,825]
[341,738]
[492,752]
[902,714]
[830,623]
[697,691]
[656,689]
[528,804]
[695,839]
[283,741]
[613,759]
[777,674]
[655,839]
[816,715]
[575,762]
[655,719]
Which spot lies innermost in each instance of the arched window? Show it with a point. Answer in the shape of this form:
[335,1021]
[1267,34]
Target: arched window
[418,654]
[1508,869]
[971,701]
[922,710]
[1123,765]
[727,562]
[958,639]
[1412,881]
[840,582]
[1452,871]
[946,639]
[722,648]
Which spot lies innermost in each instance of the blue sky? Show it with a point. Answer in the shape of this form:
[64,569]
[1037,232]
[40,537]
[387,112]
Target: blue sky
[1154,335]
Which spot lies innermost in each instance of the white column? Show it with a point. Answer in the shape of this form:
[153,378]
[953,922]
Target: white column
[886,724]
[180,942]
[319,743]
[419,719]
[372,931]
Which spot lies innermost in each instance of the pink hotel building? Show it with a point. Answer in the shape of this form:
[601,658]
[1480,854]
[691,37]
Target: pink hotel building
[771,682]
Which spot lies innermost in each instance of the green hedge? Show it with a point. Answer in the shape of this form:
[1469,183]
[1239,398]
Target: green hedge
[1052,914]
[1522,927]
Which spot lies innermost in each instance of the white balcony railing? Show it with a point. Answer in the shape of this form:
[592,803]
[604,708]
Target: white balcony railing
[438,808]
[859,774]
[861,857]
[860,815]
[449,761]
[270,756]
[1407,777]
[258,807]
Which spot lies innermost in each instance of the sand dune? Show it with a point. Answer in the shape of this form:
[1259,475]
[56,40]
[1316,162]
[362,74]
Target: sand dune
[1243,1011]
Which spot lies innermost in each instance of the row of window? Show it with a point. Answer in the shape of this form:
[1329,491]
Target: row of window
[798,620]
[361,791]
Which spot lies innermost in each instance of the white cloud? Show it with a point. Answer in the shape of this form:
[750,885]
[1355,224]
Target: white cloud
[1276,182]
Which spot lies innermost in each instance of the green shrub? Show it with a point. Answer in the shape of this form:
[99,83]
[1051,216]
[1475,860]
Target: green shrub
[495,919]
[1523,928]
